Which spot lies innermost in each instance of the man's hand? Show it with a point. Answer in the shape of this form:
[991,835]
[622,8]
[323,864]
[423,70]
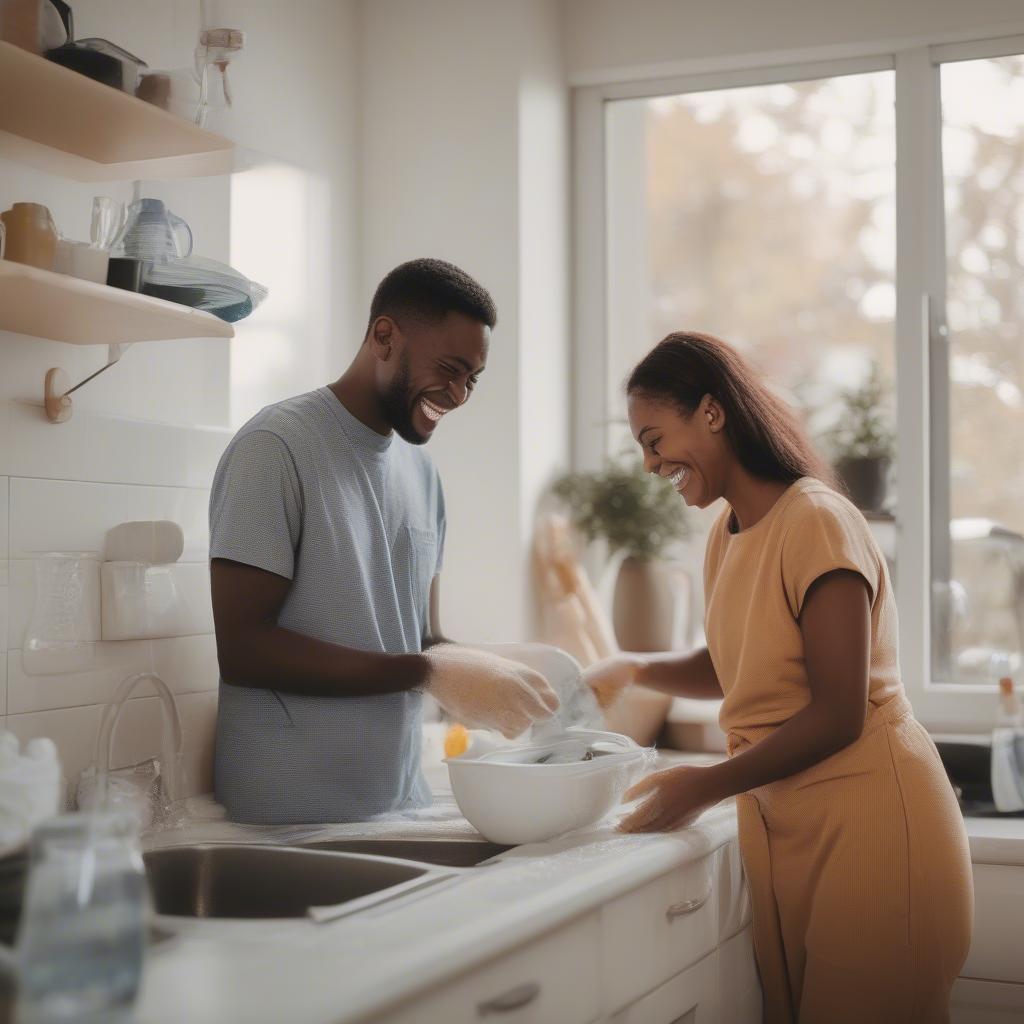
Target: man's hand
[486,691]
[677,798]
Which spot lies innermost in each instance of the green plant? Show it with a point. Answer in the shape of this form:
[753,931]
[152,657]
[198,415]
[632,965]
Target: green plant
[634,511]
[865,427]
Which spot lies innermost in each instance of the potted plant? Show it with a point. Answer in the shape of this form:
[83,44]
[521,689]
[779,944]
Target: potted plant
[638,516]
[863,441]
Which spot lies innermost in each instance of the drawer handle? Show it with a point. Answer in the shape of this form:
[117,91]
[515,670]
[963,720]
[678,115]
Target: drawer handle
[514,999]
[686,907]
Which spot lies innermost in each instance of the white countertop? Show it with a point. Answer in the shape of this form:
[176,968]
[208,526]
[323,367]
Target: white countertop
[996,840]
[354,968]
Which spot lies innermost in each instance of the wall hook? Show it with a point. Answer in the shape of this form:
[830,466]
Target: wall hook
[56,393]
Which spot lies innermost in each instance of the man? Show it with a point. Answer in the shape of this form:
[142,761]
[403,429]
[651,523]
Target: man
[327,529]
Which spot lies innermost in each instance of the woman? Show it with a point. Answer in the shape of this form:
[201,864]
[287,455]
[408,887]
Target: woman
[853,844]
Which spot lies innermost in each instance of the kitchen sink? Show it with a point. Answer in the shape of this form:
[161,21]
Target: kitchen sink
[449,853]
[216,880]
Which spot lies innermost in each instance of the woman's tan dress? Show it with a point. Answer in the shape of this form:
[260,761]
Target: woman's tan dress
[858,867]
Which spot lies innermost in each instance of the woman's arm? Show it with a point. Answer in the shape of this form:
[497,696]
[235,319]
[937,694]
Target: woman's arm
[680,675]
[835,624]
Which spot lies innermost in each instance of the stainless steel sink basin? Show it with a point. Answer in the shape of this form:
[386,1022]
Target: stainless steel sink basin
[232,881]
[449,853]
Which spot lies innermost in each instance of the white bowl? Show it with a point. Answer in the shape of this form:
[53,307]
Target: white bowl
[511,802]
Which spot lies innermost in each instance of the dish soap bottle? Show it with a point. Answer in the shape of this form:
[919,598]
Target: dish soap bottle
[1009,714]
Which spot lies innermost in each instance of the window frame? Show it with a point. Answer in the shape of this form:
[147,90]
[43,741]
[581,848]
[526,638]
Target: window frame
[921,338]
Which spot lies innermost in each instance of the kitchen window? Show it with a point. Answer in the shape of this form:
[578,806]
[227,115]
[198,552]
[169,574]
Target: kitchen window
[839,220]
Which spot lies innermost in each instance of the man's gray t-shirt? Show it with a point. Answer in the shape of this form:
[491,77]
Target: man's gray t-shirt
[356,522]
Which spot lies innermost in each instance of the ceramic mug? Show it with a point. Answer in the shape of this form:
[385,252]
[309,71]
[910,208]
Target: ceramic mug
[82,260]
[88,262]
[31,235]
[62,256]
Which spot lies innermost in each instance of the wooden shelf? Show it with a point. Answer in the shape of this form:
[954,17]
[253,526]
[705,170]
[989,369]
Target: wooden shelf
[65,123]
[42,304]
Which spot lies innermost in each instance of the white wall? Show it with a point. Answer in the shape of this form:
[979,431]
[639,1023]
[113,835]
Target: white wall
[544,294]
[463,156]
[609,40]
[146,435]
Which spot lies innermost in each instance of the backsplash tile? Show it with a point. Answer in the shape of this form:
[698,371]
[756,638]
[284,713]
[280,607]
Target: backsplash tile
[39,519]
[186,664]
[191,579]
[107,449]
[4,514]
[62,489]
[137,736]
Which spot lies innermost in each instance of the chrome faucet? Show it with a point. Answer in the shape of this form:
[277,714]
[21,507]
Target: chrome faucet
[170,754]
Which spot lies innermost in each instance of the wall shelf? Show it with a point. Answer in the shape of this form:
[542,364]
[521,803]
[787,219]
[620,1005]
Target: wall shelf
[42,304]
[65,123]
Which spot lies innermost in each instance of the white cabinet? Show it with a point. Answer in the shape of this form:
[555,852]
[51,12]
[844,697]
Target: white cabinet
[991,988]
[997,945]
[553,979]
[653,933]
[691,997]
[739,987]
[657,955]
[987,1002]
[722,988]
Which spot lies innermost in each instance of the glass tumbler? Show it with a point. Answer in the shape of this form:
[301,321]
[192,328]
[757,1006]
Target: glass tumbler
[82,937]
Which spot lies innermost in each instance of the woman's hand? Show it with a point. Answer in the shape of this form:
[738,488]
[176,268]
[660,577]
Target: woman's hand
[611,677]
[677,798]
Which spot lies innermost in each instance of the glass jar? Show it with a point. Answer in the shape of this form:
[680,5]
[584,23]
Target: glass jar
[82,937]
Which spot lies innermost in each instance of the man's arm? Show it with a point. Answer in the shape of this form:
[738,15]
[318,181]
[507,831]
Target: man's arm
[253,650]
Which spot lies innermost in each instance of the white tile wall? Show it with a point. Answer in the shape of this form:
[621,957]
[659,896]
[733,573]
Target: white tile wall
[4,516]
[186,664]
[137,736]
[107,449]
[61,489]
[39,519]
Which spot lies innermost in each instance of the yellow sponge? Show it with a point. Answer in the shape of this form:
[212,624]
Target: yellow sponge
[456,741]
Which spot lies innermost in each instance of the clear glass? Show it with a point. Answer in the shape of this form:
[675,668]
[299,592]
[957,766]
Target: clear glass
[978,569]
[764,215]
[81,942]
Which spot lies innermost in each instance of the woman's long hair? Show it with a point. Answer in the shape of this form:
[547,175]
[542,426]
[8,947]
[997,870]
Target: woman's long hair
[763,432]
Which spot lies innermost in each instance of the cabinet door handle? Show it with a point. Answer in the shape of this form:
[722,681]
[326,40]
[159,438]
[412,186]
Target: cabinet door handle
[686,907]
[514,999]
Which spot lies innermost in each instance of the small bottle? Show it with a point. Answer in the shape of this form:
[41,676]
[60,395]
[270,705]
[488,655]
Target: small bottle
[1009,715]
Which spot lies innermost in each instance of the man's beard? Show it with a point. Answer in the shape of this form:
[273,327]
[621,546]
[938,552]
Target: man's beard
[396,405]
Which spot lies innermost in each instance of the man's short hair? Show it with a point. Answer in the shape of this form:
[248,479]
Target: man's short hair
[429,290]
